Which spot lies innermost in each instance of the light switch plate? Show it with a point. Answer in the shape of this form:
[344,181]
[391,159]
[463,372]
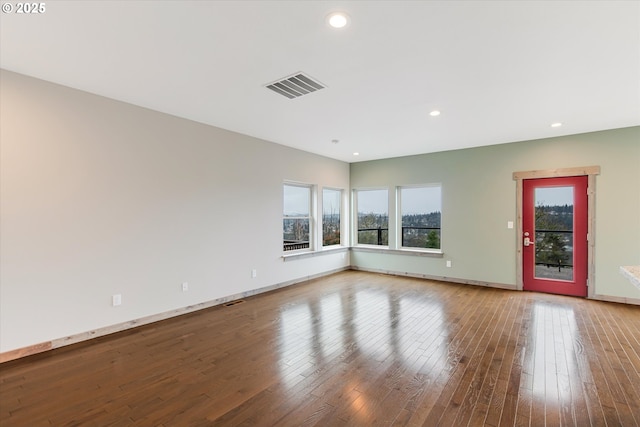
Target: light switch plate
[116,300]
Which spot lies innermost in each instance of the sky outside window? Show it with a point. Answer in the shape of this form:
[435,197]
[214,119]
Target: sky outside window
[331,202]
[373,201]
[554,196]
[420,200]
[296,200]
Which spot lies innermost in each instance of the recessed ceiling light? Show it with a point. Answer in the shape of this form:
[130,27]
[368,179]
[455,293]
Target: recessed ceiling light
[434,113]
[356,154]
[556,125]
[338,20]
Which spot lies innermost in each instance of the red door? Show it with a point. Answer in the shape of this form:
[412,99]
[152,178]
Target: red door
[554,241]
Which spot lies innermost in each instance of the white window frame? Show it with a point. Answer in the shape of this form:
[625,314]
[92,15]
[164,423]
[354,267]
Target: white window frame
[310,218]
[354,204]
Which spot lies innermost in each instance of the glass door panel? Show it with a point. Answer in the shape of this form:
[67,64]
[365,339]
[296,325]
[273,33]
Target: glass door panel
[554,233]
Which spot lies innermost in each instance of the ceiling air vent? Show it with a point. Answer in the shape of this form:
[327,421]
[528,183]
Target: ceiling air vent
[295,86]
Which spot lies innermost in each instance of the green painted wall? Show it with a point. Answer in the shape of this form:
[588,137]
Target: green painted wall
[479,198]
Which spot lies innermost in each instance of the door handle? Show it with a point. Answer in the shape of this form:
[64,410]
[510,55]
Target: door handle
[527,240]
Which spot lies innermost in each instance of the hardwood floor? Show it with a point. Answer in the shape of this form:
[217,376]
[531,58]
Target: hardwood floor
[351,349]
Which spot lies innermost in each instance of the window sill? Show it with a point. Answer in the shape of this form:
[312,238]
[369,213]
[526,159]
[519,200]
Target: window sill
[311,254]
[409,252]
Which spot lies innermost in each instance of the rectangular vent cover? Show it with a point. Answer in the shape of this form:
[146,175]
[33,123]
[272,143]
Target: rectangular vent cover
[295,86]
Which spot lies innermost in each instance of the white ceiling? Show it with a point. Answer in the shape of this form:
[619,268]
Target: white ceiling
[500,71]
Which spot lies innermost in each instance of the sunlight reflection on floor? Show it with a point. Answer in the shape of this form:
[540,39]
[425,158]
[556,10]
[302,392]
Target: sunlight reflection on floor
[370,322]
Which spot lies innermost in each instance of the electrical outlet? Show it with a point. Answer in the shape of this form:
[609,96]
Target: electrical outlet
[254,273]
[448,263]
[116,300]
[185,286]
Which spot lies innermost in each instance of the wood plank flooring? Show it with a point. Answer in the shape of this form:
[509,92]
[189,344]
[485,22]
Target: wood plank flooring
[351,349]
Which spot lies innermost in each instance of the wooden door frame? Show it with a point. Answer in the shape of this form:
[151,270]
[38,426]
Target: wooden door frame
[590,172]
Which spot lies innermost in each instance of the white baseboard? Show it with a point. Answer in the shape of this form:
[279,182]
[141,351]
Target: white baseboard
[621,300]
[438,278]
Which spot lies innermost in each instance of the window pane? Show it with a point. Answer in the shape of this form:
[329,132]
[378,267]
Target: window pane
[331,200]
[421,216]
[296,200]
[373,217]
[296,234]
[296,223]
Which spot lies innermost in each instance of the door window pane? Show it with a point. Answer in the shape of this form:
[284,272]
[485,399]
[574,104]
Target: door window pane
[373,217]
[554,233]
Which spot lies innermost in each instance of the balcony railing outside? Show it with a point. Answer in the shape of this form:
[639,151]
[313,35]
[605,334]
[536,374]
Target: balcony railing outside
[293,245]
[380,233]
[549,256]
[404,228]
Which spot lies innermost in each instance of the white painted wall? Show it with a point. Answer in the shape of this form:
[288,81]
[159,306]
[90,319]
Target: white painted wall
[479,198]
[99,197]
